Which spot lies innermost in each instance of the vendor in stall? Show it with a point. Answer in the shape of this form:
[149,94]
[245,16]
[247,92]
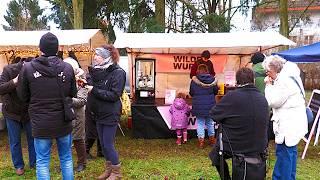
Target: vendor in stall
[205,59]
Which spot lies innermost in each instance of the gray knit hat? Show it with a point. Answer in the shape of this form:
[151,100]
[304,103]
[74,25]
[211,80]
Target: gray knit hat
[104,53]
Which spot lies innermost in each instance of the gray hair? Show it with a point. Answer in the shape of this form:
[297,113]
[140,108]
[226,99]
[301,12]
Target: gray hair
[273,62]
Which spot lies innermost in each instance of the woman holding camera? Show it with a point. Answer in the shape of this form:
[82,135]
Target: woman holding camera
[106,86]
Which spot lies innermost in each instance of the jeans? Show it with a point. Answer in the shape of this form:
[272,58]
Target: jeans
[200,129]
[14,133]
[43,150]
[286,164]
[107,136]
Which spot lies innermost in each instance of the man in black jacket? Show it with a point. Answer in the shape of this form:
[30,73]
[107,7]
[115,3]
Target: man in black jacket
[15,113]
[41,84]
[243,115]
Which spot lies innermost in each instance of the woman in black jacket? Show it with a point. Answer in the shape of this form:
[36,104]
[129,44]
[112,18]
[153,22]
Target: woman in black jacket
[107,81]
[15,113]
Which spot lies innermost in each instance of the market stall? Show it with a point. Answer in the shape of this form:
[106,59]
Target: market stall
[159,66]
[25,43]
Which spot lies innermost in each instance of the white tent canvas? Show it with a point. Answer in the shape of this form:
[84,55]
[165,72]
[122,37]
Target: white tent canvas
[236,46]
[29,40]
[194,43]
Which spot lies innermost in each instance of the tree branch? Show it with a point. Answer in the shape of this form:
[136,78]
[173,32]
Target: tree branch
[304,11]
[65,7]
[243,3]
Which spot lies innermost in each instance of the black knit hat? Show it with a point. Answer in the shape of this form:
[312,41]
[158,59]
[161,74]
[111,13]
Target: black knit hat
[49,44]
[257,58]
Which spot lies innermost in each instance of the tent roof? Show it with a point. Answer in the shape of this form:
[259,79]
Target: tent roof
[308,53]
[26,40]
[195,43]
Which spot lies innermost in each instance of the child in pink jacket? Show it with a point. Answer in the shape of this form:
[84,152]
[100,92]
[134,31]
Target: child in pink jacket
[180,111]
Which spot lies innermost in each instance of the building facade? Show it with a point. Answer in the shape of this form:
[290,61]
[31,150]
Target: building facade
[303,15]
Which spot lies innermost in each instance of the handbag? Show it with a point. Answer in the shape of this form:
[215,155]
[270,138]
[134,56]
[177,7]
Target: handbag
[248,167]
[309,112]
[69,113]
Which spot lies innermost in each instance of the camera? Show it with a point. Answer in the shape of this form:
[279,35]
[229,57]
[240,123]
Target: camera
[82,82]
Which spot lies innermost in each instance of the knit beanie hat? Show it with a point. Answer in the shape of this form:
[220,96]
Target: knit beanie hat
[104,53]
[49,44]
[257,57]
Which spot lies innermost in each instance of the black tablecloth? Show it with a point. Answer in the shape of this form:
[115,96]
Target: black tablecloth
[148,123]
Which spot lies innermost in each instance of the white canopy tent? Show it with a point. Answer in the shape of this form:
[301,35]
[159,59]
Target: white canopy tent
[236,43]
[237,48]
[84,39]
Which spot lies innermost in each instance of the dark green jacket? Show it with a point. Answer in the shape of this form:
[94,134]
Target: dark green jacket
[260,74]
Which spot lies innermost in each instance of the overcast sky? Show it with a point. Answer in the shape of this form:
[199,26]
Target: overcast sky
[240,22]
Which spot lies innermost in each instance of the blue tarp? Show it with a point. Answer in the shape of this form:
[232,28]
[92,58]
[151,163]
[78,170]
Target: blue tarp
[304,54]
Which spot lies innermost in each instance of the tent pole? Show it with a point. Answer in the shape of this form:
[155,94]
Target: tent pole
[132,69]
[90,45]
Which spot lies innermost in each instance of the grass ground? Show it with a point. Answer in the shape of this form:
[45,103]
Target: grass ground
[154,159]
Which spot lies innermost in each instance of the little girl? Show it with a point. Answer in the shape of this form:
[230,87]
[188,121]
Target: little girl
[179,112]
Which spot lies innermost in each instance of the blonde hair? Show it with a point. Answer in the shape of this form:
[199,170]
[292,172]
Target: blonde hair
[202,68]
[181,95]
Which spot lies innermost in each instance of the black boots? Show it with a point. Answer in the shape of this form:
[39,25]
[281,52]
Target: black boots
[89,144]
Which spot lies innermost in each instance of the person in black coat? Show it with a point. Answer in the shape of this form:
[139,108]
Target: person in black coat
[243,116]
[15,113]
[41,84]
[106,86]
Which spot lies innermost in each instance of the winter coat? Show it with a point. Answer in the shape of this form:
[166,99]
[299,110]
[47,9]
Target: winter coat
[12,107]
[260,74]
[203,98]
[289,118]
[244,116]
[38,85]
[179,111]
[104,99]
[78,103]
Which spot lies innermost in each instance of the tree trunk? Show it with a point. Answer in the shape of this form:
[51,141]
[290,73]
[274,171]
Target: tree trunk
[160,13]
[77,6]
[229,13]
[283,14]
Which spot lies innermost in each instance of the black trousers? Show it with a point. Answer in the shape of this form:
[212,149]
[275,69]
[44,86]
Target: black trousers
[252,167]
[215,159]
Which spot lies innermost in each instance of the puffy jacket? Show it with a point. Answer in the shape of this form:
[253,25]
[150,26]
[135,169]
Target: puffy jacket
[104,99]
[289,118]
[179,112]
[203,98]
[12,107]
[38,86]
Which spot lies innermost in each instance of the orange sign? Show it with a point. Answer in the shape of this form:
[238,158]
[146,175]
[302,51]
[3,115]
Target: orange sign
[182,63]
